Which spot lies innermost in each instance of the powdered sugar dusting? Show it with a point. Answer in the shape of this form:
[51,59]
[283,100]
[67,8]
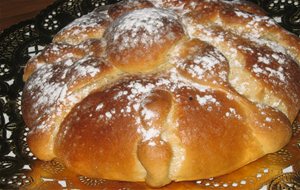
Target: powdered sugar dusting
[89,20]
[264,67]
[85,70]
[147,114]
[99,107]
[50,86]
[204,66]
[144,27]
[207,99]
[265,42]
[233,113]
[148,134]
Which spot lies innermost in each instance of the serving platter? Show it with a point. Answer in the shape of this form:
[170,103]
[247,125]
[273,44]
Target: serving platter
[19,169]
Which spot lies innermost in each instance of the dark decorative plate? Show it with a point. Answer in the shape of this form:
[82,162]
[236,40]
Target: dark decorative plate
[20,169]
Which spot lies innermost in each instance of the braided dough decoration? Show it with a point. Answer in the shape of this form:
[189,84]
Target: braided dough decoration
[163,90]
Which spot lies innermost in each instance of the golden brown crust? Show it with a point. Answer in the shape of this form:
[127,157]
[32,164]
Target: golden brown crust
[197,123]
[163,90]
[115,145]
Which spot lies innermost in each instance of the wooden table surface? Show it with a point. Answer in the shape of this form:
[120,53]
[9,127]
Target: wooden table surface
[14,11]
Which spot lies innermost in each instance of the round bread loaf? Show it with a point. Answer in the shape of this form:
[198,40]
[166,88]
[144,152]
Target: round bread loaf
[163,90]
